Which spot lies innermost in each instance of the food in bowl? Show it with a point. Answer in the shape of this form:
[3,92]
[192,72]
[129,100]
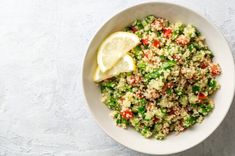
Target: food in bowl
[171,87]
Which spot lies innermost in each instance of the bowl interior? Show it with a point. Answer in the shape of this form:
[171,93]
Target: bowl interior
[223,97]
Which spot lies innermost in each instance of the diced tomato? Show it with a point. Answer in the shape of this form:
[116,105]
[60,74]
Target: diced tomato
[176,57]
[155,119]
[201,96]
[215,70]
[167,32]
[172,112]
[170,84]
[127,114]
[156,43]
[203,65]
[145,41]
[166,86]
[146,55]
[133,29]
[132,80]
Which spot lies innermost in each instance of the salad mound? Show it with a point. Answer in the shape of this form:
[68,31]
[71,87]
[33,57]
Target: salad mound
[170,89]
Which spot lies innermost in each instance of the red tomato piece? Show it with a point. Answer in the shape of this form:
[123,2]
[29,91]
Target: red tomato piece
[126,114]
[172,112]
[145,41]
[176,57]
[215,70]
[133,29]
[146,55]
[201,96]
[203,65]
[167,32]
[170,84]
[166,86]
[132,80]
[155,119]
[156,43]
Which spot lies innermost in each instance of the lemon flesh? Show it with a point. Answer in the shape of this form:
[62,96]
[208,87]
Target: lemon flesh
[125,64]
[114,48]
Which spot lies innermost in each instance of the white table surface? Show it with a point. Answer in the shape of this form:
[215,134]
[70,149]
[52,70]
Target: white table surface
[42,109]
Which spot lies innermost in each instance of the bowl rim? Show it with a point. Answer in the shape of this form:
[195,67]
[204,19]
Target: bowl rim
[116,13]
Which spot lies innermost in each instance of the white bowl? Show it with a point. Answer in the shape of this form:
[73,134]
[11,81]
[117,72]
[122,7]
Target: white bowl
[173,143]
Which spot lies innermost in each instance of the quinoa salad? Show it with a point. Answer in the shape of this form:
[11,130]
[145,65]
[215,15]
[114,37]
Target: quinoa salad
[171,88]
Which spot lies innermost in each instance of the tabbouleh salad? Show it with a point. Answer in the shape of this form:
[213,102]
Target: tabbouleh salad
[171,88]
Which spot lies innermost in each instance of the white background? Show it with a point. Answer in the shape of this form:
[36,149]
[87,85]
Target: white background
[42,108]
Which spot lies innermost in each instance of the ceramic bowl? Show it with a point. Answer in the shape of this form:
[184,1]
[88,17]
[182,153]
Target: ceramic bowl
[175,142]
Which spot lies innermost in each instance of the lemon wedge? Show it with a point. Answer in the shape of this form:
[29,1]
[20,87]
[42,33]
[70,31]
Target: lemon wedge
[125,64]
[114,48]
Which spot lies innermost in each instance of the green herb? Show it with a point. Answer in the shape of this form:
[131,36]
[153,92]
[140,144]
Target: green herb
[137,49]
[116,115]
[127,88]
[146,46]
[158,33]
[153,75]
[144,23]
[139,24]
[163,111]
[162,57]
[118,121]
[102,88]
[181,29]
[139,34]
[189,121]
[168,64]
[141,65]
[124,121]
[198,33]
[211,55]
[143,101]
[107,85]
[141,110]
[209,108]
[193,46]
[129,73]
[149,31]
[195,89]
[194,105]
[179,91]
[175,34]
[127,28]
[205,109]
[169,91]
[112,103]
[211,83]
[150,18]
